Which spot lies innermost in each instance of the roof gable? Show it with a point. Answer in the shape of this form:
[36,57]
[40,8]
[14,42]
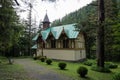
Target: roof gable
[36,37]
[34,46]
[70,31]
[45,33]
[56,31]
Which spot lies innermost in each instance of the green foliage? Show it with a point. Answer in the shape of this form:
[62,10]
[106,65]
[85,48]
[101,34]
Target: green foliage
[72,71]
[82,71]
[111,65]
[42,59]
[88,63]
[62,65]
[10,28]
[112,38]
[116,76]
[0,61]
[101,69]
[35,58]
[49,61]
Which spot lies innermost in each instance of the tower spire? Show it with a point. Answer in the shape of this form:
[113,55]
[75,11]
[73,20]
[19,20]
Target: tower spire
[46,19]
[46,22]
[46,11]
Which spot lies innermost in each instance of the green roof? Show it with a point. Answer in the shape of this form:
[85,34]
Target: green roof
[36,37]
[70,31]
[45,33]
[57,30]
[34,46]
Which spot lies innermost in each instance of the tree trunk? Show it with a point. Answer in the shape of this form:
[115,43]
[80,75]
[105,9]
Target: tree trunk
[100,34]
[30,25]
[42,49]
[10,60]
[87,46]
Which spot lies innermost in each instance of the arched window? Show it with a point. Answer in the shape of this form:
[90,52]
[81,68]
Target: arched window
[65,43]
[44,45]
[53,43]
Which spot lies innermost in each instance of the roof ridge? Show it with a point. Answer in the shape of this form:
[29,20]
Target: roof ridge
[64,25]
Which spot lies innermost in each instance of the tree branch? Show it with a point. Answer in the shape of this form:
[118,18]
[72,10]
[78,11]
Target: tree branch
[17,2]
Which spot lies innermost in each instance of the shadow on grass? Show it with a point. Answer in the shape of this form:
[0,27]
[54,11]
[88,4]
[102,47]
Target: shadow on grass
[86,78]
[63,69]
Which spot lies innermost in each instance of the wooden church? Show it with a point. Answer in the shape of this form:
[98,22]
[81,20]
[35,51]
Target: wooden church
[60,42]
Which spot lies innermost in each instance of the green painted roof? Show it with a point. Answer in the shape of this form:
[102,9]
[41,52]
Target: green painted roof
[34,46]
[45,33]
[70,31]
[57,30]
[36,37]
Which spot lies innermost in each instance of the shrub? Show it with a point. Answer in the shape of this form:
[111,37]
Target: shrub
[88,63]
[48,61]
[62,65]
[100,69]
[35,58]
[82,71]
[42,59]
[116,76]
[111,65]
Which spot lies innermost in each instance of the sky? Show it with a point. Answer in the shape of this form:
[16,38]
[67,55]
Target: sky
[55,10]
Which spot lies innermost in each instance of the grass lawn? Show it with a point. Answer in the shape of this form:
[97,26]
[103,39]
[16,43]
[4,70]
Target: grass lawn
[11,72]
[72,68]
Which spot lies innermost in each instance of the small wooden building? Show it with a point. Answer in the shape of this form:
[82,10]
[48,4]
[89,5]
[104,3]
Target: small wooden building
[60,42]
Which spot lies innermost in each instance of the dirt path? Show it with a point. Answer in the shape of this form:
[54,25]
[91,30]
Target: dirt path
[37,72]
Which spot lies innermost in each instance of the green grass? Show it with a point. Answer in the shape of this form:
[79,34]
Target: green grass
[71,71]
[11,72]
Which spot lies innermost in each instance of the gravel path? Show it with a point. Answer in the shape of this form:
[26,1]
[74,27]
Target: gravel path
[37,72]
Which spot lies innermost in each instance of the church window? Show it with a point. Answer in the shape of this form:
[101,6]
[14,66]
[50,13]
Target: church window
[65,43]
[53,43]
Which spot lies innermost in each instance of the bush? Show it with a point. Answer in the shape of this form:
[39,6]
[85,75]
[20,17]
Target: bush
[111,65]
[42,59]
[88,63]
[35,58]
[100,69]
[48,61]
[82,71]
[62,65]
[116,76]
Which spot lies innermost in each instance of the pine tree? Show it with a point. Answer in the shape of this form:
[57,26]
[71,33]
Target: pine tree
[10,27]
[110,22]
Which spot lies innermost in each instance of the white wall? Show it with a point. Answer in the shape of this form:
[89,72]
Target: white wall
[70,55]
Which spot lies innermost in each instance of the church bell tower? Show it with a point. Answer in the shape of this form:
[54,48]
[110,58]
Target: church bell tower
[46,22]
